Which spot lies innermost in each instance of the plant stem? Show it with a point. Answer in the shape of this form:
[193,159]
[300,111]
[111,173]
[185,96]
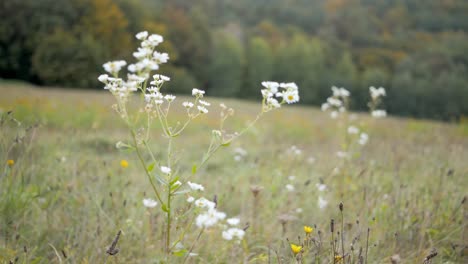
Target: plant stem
[140,157]
[193,245]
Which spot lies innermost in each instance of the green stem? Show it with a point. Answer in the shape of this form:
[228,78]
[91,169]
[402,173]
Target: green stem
[168,231]
[193,245]
[140,157]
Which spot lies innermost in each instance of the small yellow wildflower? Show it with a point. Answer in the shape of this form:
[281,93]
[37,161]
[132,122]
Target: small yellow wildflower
[124,164]
[10,162]
[308,229]
[338,258]
[296,249]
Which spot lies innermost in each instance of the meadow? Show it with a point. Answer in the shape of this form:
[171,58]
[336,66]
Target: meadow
[68,193]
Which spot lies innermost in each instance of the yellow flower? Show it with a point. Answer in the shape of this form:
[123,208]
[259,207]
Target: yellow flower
[10,162]
[338,258]
[124,164]
[308,229]
[296,249]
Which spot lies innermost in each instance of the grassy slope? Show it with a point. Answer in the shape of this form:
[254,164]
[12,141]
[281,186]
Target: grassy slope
[68,192]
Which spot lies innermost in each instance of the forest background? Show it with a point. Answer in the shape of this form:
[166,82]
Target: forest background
[416,49]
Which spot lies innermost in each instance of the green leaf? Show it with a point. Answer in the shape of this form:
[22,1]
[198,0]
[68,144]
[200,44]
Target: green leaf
[174,180]
[181,192]
[180,253]
[164,208]
[161,180]
[225,144]
[151,167]
[194,169]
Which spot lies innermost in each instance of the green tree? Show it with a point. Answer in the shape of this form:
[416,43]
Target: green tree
[226,66]
[259,67]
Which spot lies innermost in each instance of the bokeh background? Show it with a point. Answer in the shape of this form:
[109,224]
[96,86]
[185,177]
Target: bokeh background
[417,49]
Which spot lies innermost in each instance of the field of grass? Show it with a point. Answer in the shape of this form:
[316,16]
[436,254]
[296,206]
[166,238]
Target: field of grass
[66,196]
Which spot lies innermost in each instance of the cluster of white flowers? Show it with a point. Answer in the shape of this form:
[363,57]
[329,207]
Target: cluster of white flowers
[233,232]
[148,58]
[210,216]
[376,96]
[199,104]
[153,95]
[379,113]
[196,186]
[113,67]
[336,103]
[294,150]
[118,87]
[288,92]
[377,92]
[363,137]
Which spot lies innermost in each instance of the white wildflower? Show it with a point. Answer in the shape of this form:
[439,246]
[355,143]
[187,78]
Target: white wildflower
[322,203]
[197,93]
[169,97]
[195,186]
[210,218]
[379,113]
[205,203]
[353,130]
[321,187]
[142,35]
[187,105]
[204,103]
[202,109]
[325,107]
[190,199]
[165,170]
[113,67]
[289,86]
[377,92]
[150,203]
[103,78]
[233,233]
[291,96]
[363,138]
[271,86]
[233,221]
[290,187]
[160,58]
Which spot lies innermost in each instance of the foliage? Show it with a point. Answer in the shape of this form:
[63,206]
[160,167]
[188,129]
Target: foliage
[335,42]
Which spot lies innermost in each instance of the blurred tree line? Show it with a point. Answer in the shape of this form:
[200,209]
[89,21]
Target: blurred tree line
[417,49]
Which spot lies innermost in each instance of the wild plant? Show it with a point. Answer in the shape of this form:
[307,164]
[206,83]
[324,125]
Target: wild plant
[15,195]
[170,181]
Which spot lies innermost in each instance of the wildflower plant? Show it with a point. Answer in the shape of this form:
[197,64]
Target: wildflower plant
[168,180]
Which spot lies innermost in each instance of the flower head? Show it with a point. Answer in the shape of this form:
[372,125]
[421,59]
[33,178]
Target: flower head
[197,93]
[379,113]
[233,221]
[233,233]
[165,170]
[150,203]
[10,162]
[296,249]
[195,186]
[210,218]
[308,229]
[123,163]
